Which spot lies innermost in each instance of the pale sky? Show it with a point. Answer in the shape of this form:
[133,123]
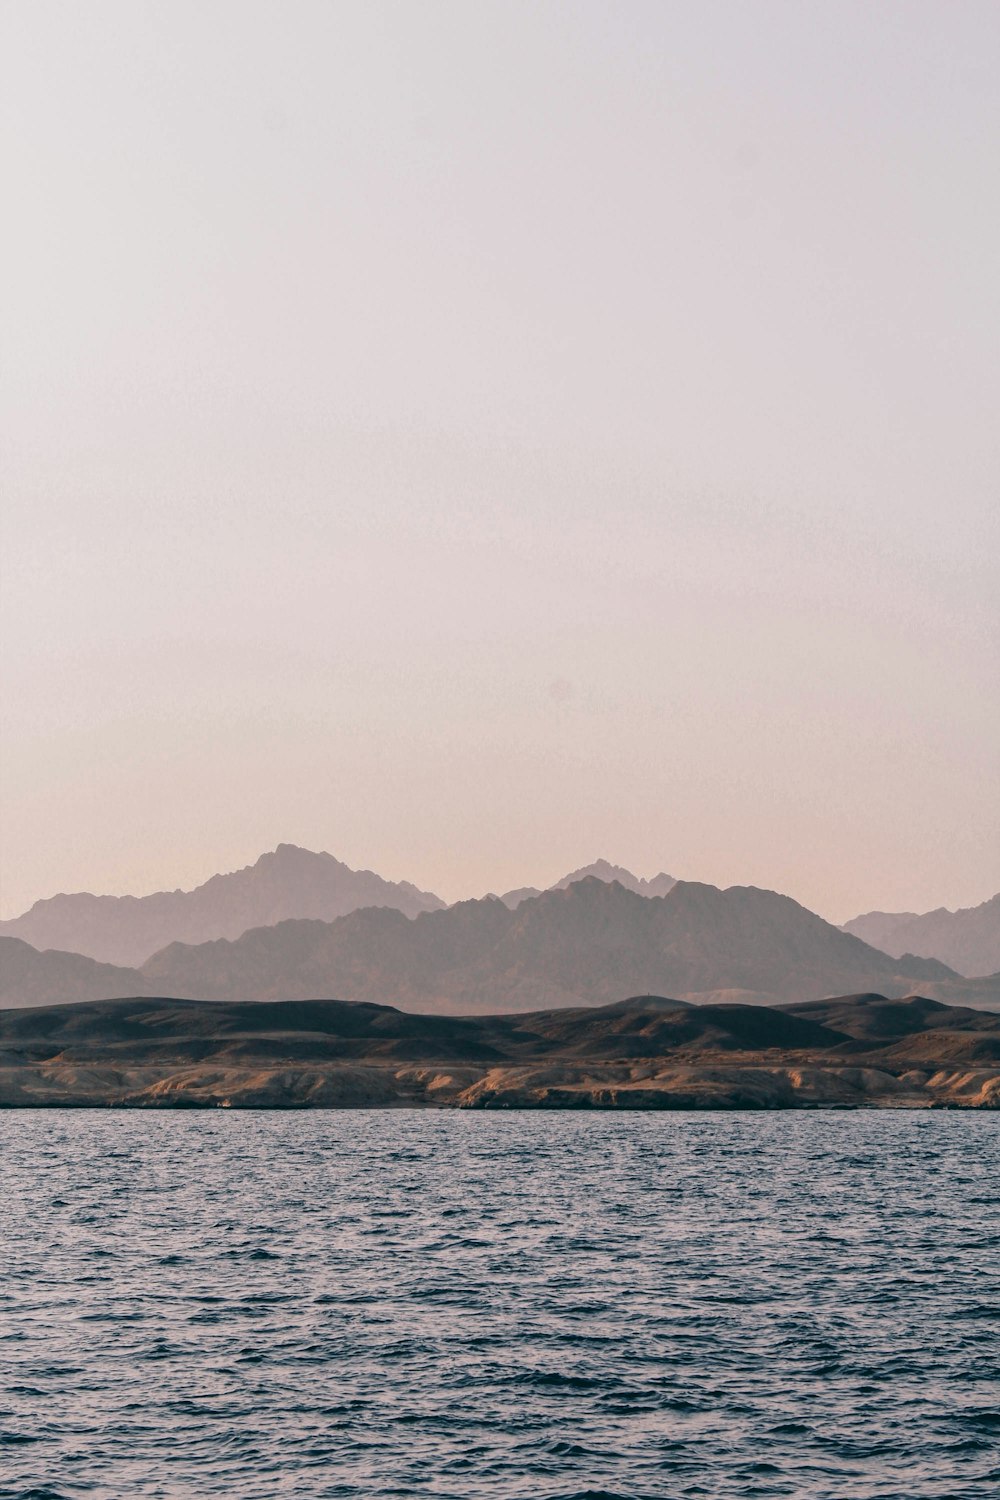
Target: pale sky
[475,438]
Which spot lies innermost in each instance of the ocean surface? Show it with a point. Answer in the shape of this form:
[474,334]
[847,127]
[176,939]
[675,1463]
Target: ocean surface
[405,1303]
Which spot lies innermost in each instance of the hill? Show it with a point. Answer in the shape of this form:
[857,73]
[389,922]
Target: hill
[648,1052]
[967,940]
[288,882]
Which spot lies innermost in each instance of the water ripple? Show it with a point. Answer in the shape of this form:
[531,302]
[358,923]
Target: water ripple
[554,1307]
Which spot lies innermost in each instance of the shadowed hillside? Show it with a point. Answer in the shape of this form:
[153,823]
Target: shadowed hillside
[648,1052]
[584,945]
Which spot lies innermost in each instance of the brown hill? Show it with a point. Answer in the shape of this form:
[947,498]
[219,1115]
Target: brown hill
[872,1018]
[647,1052]
[651,1026]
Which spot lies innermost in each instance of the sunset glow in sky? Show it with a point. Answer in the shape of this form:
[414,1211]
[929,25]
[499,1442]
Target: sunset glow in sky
[478,438]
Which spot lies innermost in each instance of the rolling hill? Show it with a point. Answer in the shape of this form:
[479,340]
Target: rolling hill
[647,1052]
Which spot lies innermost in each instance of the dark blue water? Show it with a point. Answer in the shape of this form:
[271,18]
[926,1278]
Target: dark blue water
[519,1305]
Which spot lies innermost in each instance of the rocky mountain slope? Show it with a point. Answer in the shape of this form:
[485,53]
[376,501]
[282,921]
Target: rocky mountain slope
[967,940]
[288,882]
[648,1052]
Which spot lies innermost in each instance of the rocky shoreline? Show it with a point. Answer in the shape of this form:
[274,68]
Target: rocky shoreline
[646,1053]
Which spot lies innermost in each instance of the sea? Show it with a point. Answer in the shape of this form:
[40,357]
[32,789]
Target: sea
[561,1306]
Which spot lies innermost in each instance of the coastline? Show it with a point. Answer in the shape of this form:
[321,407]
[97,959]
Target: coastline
[732,1087]
[644,1053]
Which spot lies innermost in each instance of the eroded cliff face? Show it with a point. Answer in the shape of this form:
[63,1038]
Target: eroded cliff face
[651,1085]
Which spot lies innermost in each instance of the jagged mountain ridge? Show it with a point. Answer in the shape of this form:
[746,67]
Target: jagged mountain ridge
[586,945]
[967,940]
[287,882]
[601,869]
[290,883]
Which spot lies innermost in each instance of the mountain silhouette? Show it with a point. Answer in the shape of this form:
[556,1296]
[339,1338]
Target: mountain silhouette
[601,869]
[586,945]
[288,882]
[967,940]
[28,977]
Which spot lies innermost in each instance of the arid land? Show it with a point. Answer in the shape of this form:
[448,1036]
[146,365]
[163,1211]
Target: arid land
[647,1052]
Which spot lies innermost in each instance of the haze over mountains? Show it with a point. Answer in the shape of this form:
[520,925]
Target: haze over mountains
[967,940]
[588,944]
[30,977]
[290,883]
[287,882]
[302,925]
[600,870]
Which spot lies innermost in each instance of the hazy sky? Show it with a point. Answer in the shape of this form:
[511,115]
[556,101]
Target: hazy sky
[477,437]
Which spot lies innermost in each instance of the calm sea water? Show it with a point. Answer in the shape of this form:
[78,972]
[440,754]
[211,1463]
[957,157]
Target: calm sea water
[517,1305]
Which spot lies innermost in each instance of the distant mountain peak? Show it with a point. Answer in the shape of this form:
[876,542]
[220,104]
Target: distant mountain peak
[586,943]
[284,883]
[589,943]
[294,855]
[601,870]
[968,940]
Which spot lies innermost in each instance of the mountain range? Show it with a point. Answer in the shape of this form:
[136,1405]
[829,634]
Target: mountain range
[287,882]
[967,940]
[588,944]
[645,1052]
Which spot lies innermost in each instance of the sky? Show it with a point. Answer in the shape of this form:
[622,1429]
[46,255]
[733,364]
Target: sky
[474,439]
